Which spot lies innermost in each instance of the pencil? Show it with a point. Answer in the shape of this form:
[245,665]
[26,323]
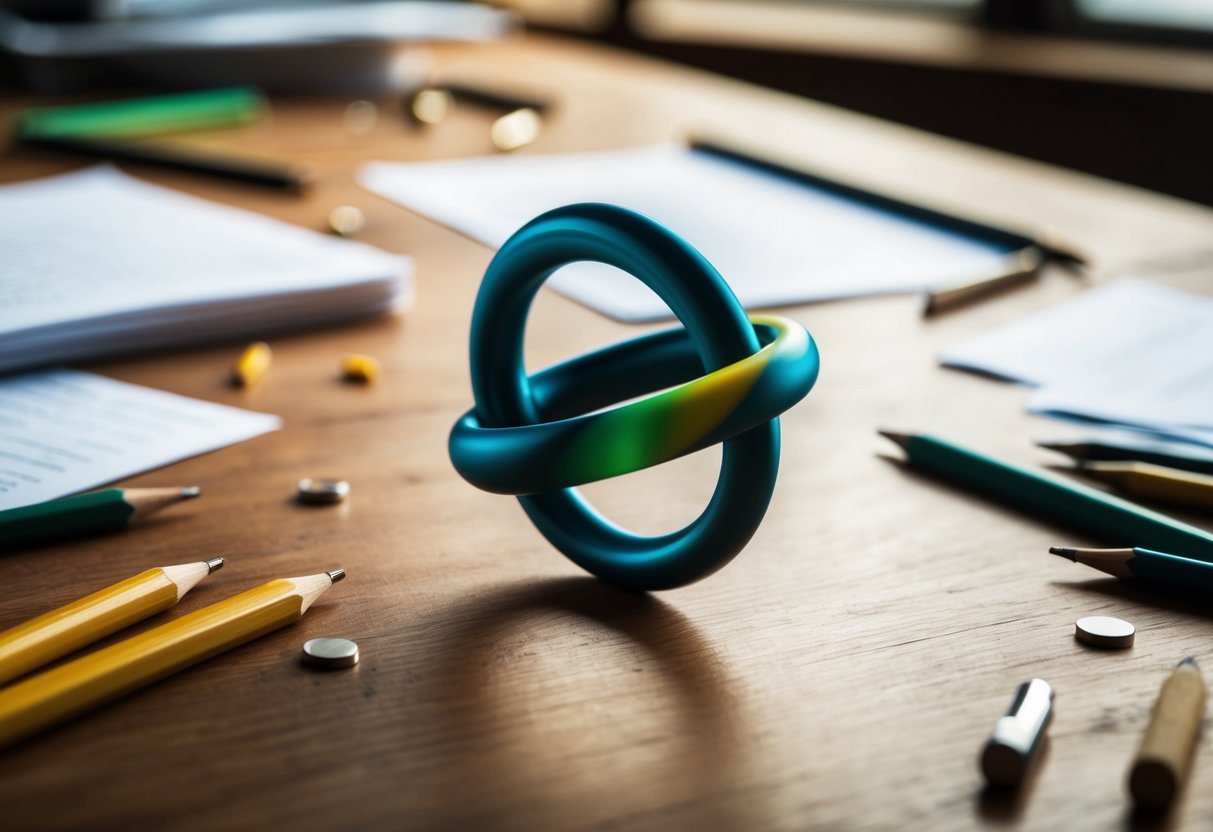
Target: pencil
[95,511]
[1084,509]
[270,174]
[1143,564]
[1170,454]
[48,698]
[1154,482]
[1165,755]
[52,635]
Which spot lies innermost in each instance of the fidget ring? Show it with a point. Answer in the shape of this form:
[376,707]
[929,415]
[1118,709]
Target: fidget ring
[539,436]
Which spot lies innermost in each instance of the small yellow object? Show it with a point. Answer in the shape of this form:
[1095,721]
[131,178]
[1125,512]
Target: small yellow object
[430,105]
[515,130]
[346,220]
[253,364]
[359,368]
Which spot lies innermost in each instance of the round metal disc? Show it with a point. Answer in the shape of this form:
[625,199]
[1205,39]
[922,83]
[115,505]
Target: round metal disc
[1104,631]
[322,491]
[330,652]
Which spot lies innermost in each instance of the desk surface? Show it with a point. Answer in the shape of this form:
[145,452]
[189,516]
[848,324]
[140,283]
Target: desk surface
[842,673]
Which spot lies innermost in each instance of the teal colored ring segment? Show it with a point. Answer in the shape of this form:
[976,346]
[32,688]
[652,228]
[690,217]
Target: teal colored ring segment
[717,339]
[695,412]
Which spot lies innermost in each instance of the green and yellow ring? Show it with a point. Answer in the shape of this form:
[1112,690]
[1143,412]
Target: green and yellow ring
[536,436]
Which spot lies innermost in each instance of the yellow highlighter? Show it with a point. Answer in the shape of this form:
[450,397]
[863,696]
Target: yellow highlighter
[54,634]
[62,692]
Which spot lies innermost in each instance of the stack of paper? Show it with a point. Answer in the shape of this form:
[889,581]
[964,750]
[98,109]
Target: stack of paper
[776,240]
[97,263]
[1132,354]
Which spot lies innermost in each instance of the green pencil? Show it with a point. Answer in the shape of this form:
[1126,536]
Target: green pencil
[1082,508]
[1143,564]
[96,511]
[134,117]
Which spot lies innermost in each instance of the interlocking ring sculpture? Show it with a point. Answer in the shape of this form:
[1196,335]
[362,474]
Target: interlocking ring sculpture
[538,436]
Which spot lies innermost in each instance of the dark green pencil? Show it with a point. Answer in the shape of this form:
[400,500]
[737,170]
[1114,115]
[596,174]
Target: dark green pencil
[1077,506]
[1143,564]
[96,511]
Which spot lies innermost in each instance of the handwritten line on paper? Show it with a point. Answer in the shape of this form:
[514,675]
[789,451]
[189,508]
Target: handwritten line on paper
[65,431]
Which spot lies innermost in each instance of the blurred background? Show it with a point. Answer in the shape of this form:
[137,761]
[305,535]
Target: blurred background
[1118,88]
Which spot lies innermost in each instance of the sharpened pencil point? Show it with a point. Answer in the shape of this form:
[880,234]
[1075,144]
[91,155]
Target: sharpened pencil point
[336,575]
[190,491]
[1064,552]
[898,438]
[214,564]
[1191,662]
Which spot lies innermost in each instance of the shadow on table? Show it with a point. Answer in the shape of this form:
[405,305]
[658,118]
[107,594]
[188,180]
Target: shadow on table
[530,747]
[1006,806]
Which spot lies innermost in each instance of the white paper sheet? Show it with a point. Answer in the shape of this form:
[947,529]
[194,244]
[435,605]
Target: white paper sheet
[776,241]
[1131,353]
[65,431]
[97,262]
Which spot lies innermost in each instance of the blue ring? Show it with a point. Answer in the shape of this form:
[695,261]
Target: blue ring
[718,330]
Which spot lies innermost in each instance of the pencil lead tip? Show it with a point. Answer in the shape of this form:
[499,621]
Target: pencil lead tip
[190,491]
[894,436]
[214,564]
[1064,552]
[336,575]
[1190,661]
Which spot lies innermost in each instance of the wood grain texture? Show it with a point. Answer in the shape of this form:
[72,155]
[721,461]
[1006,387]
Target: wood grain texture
[843,673]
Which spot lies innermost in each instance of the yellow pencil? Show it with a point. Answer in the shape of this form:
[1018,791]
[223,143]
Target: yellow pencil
[62,692]
[43,639]
[252,365]
[1157,482]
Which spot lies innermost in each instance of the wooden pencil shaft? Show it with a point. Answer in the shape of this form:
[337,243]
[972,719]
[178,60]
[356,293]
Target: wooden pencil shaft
[1022,267]
[48,698]
[95,511]
[1200,461]
[1162,761]
[1082,508]
[54,634]
[1156,482]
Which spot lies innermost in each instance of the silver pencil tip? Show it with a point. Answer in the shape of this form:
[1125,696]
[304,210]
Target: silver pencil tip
[336,575]
[190,491]
[1191,662]
[213,564]
[1064,552]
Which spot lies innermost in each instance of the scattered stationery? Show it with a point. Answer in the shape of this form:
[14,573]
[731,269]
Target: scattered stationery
[1154,482]
[1145,565]
[53,635]
[96,511]
[1129,447]
[1134,354]
[775,239]
[1052,498]
[99,263]
[1162,761]
[64,431]
[80,685]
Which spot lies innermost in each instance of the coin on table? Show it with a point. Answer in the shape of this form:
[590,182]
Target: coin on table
[330,652]
[322,491]
[1104,631]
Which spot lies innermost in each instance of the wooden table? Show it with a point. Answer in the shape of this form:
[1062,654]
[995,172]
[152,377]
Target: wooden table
[843,673]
